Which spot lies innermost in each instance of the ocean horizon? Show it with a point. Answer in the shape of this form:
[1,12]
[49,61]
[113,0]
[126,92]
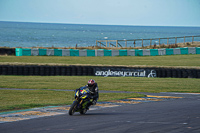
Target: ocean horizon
[32,34]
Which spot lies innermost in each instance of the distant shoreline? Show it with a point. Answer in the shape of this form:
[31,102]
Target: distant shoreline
[100,24]
[187,44]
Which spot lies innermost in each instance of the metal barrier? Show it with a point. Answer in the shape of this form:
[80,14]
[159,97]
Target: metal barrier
[117,43]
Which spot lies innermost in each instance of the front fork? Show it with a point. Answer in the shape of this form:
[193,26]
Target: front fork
[83,105]
[79,103]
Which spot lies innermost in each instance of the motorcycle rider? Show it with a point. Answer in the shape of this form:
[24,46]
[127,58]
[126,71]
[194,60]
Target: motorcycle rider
[94,92]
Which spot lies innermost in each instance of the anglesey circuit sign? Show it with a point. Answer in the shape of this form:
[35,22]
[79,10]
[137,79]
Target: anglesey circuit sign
[125,72]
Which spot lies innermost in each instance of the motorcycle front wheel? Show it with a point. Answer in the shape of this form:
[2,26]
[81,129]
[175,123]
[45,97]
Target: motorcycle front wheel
[82,112]
[73,108]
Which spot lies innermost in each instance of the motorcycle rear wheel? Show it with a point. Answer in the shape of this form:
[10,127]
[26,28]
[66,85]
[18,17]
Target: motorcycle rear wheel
[73,108]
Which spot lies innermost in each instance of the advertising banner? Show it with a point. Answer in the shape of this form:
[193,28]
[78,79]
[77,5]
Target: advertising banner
[124,72]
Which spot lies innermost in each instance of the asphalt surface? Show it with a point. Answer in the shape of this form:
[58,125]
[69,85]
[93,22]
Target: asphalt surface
[181,115]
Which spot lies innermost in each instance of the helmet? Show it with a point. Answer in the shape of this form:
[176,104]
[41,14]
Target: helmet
[91,82]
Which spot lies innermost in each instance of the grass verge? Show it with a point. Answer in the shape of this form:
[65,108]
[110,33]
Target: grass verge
[134,84]
[23,99]
[172,60]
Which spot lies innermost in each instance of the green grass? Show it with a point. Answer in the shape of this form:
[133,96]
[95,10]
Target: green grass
[23,99]
[20,99]
[41,96]
[135,84]
[172,60]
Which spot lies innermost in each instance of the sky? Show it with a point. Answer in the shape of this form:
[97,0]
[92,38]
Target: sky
[103,12]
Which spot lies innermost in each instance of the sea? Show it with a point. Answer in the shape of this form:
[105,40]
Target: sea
[27,34]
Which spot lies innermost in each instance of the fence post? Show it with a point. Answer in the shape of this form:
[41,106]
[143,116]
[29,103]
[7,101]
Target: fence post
[167,41]
[175,40]
[184,40]
[192,39]
[142,42]
[150,42]
[99,42]
[159,41]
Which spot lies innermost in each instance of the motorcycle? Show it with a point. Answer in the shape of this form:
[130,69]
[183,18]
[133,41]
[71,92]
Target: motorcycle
[82,98]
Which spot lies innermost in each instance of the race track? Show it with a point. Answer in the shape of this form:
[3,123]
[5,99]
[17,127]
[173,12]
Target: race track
[174,115]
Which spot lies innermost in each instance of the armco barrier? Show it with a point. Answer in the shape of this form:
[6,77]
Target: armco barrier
[146,52]
[105,52]
[50,52]
[65,52]
[161,51]
[83,52]
[192,50]
[105,71]
[131,52]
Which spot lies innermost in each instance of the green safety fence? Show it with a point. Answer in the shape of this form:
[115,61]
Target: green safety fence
[18,52]
[184,50]
[26,52]
[58,52]
[107,52]
[169,51]
[74,52]
[102,52]
[138,52]
[197,50]
[153,52]
[42,52]
[123,52]
[90,52]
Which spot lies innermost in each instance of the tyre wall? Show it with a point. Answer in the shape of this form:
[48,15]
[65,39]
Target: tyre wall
[7,51]
[104,71]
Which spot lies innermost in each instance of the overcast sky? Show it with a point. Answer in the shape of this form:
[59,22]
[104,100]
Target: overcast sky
[106,12]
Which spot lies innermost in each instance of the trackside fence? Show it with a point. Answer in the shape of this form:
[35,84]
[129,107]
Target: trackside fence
[146,42]
[105,52]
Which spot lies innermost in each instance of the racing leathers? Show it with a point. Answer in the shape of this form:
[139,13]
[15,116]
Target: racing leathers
[94,94]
